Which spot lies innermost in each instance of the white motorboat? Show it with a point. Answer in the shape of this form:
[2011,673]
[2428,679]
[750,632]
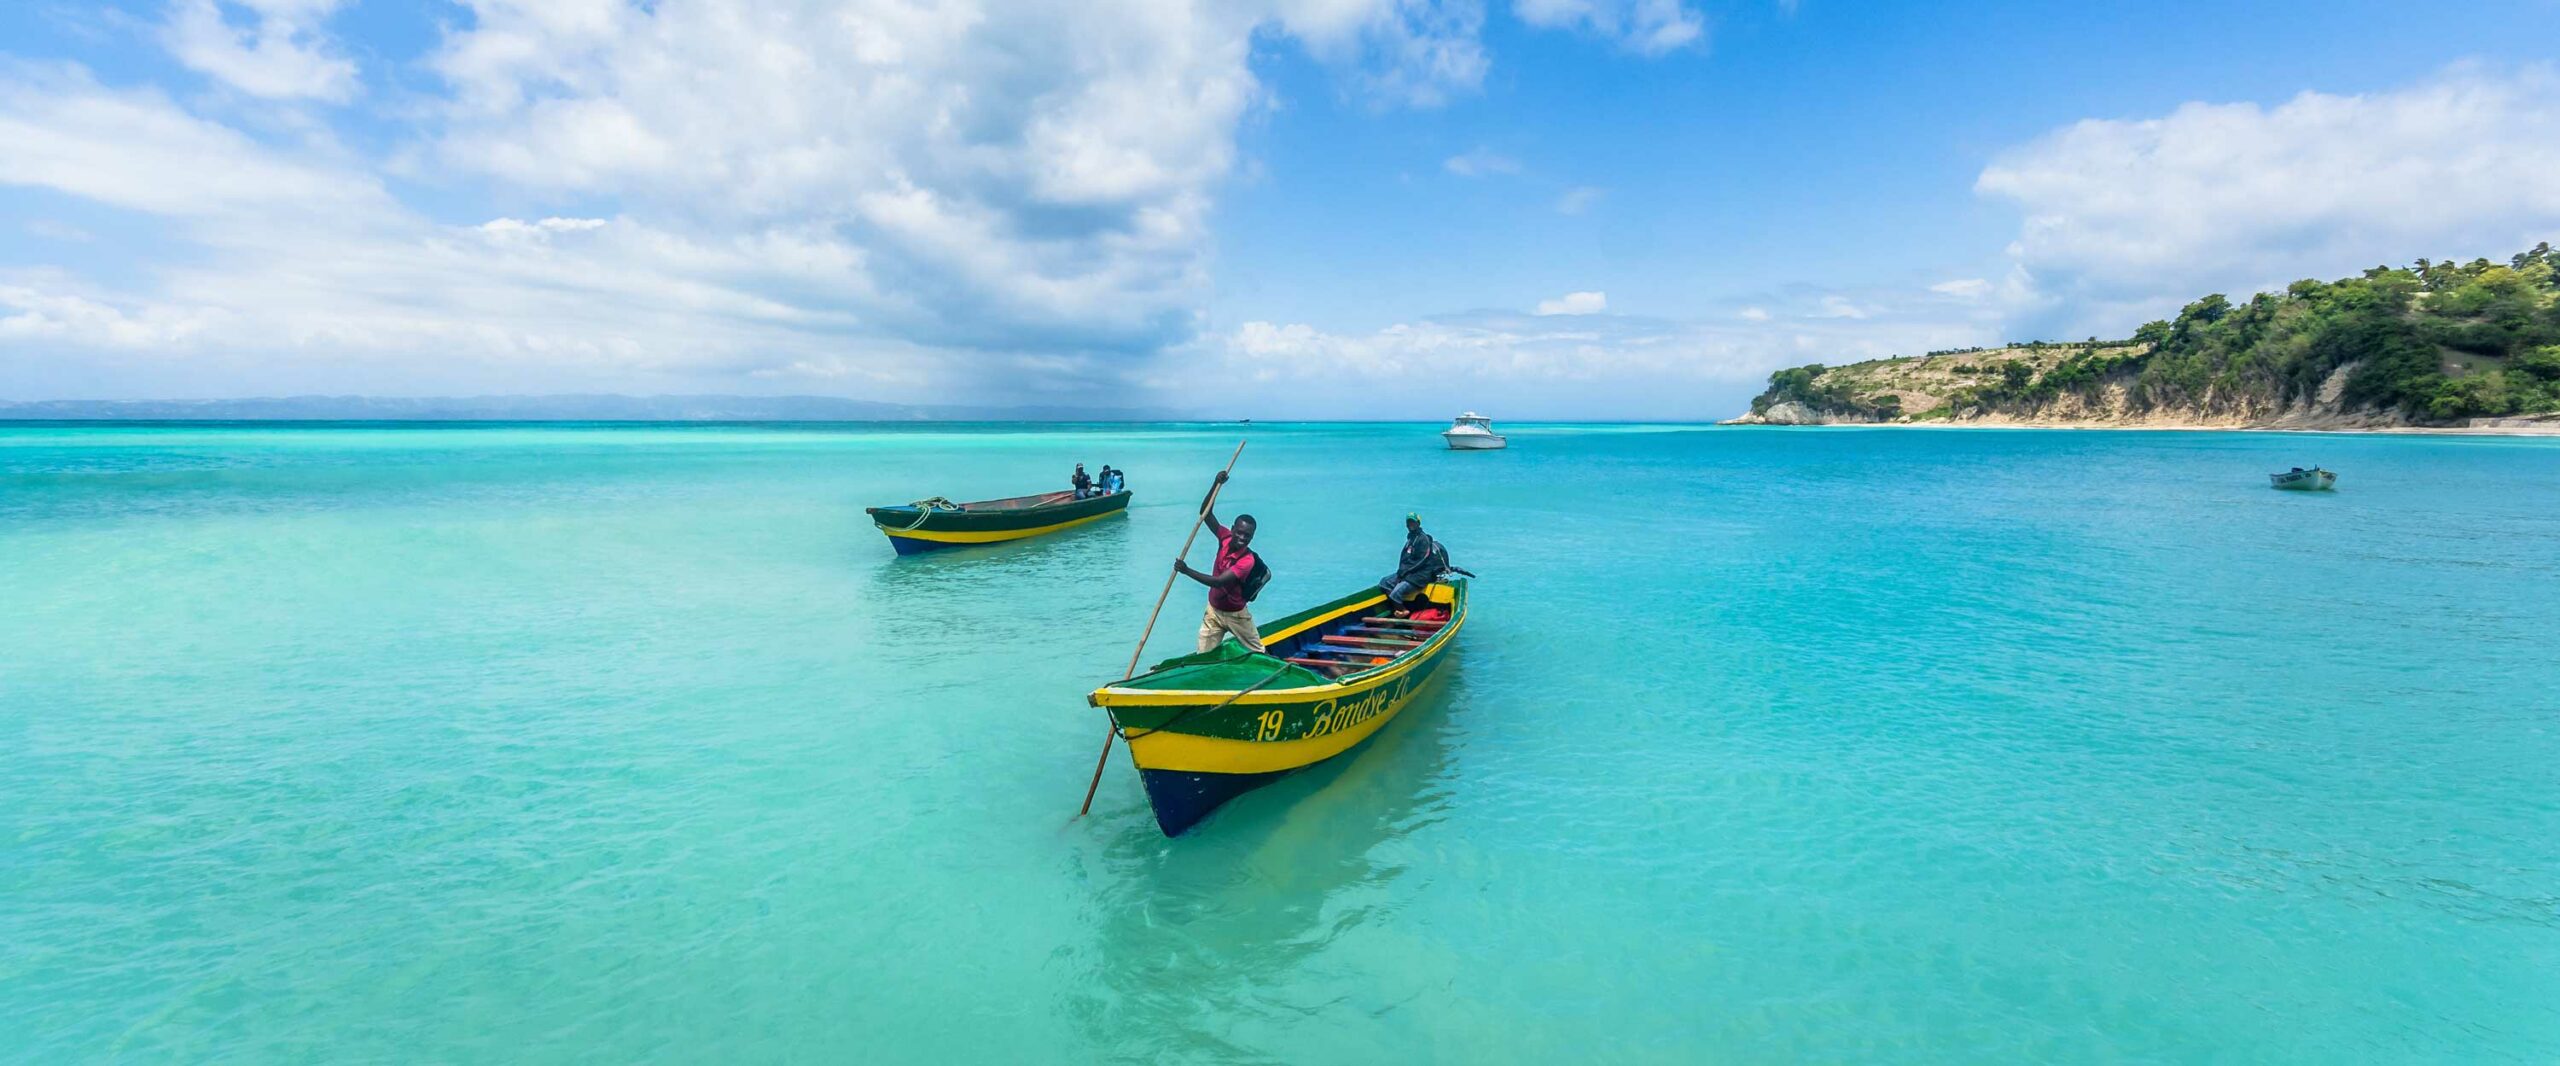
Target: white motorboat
[1472,432]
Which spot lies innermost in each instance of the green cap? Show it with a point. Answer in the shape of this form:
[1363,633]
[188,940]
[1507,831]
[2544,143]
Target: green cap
[1413,516]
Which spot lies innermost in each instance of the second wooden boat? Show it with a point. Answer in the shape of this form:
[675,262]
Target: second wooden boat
[929,525]
[2301,480]
[1206,728]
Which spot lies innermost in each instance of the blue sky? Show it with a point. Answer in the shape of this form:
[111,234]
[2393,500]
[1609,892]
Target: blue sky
[1275,208]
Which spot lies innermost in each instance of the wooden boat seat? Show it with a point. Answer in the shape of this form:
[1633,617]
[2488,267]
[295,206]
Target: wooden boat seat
[1429,624]
[1390,646]
[1399,632]
[1365,653]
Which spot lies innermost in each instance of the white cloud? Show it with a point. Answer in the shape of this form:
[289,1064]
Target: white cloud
[1963,288]
[57,230]
[1480,162]
[1836,306]
[1579,199]
[30,314]
[1417,53]
[960,194]
[281,54]
[1589,364]
[121,148]
[1575,303]
[300,258]
[2126,218]
[1646,27]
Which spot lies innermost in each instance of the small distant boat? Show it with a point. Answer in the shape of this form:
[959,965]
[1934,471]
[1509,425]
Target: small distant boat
[929,525]
[1206,728]
[1472,432]
[2299,479]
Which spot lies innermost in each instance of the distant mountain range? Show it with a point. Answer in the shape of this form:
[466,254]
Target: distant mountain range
[569,408]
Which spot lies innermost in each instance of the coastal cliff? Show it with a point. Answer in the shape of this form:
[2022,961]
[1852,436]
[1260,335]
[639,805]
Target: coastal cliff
[2435,345]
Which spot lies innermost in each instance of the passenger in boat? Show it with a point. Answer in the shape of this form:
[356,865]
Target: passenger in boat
[1110,480]
[1228,612]
[1416,569]
[1082,481]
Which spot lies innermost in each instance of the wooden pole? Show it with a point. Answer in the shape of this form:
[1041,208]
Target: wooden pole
[1140,651]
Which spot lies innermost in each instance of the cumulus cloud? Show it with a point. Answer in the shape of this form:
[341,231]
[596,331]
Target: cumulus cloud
[1646,27]
[27,313]
[1575,303]
[958,194]
[2130,216]
[300,256]
[1480,162]
[1417,53]
[281,53]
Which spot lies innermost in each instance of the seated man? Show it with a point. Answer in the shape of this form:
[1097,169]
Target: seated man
[1082,481]
[1420,565]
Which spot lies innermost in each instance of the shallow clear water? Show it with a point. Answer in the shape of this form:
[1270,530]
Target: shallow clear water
[617,744]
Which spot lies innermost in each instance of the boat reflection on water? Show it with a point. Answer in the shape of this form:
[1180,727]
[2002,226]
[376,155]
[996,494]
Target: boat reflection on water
[916,602]
[1198,935]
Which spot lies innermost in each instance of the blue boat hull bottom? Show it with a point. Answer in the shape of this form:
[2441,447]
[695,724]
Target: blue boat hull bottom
[912,546]
[1182,798]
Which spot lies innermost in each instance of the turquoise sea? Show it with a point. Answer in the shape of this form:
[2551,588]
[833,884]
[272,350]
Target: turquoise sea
[619,744]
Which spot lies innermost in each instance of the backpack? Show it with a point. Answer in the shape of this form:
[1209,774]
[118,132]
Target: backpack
[1253,582]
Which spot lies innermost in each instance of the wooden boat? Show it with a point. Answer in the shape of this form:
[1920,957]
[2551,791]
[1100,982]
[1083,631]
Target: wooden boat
[2299,479]
[1472,432]
[928,525]
[1206,728]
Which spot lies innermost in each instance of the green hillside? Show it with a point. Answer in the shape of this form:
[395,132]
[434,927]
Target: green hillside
[2430,344]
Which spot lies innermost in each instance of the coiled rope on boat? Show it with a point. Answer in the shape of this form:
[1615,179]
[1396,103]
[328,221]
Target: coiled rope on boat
[925,509]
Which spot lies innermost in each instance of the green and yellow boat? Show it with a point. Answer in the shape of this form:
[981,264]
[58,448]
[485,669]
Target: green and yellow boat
[1206,728]
[930,525]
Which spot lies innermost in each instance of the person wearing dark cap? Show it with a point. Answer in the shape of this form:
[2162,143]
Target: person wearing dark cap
[1419,566]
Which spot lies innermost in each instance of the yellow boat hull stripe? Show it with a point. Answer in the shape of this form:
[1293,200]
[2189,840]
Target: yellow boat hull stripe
[1216,755]
[992,536]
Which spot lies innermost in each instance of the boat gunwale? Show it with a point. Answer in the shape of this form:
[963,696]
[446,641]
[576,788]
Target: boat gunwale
[1119,695]
[989,506]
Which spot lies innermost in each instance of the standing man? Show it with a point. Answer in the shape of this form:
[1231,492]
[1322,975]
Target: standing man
[1227,612]
[1419,566]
